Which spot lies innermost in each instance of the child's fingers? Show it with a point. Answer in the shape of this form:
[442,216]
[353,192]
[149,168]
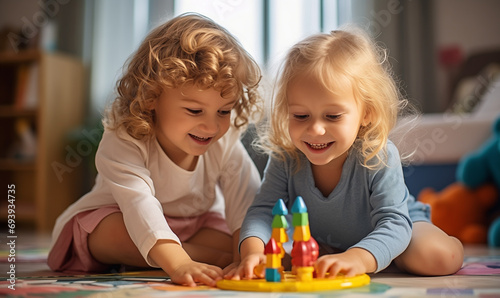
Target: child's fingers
[350,272]
[186,279]
[206,279]
[215,270]
[229,270]
[238,273]
[332,266]
[321,269]
[248,271]
[229,274]
[213,274]
[340,267]
[244,271]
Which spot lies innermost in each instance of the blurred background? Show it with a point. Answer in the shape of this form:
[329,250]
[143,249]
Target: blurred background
[60,59]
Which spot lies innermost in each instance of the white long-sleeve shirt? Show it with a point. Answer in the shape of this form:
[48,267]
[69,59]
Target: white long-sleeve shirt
[140,178]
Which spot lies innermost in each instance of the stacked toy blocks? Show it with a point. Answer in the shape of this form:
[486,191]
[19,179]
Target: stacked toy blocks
[274,248]
[305,249]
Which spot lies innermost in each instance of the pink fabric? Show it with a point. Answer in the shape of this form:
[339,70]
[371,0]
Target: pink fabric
[71,254]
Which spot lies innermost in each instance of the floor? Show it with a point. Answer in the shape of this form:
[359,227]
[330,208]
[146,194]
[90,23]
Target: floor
[480,277]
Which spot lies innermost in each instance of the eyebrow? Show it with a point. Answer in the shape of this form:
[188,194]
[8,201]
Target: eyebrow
[327,106]
[188,99]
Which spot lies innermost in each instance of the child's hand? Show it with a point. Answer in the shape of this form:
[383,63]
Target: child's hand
[350,263]
[192,272]
[245,270]
[174,260]
[230,268]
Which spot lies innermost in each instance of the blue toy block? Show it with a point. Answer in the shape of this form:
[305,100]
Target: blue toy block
[280,208]
[273,275]
[299,206]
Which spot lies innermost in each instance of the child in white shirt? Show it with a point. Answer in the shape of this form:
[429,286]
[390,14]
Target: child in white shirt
[169,153]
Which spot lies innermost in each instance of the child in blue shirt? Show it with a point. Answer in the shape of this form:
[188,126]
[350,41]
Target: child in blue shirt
[335,106]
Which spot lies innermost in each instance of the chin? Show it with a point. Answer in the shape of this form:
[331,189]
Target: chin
[319,163]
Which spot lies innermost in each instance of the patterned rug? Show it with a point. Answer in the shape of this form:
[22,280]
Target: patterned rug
[20,281]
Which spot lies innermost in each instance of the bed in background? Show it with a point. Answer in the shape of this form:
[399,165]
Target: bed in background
[439,141]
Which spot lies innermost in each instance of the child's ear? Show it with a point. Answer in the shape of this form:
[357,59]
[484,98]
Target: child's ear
[151,105]
[366,119]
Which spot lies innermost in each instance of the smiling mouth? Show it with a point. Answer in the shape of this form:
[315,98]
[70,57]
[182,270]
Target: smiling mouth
[200,139]
[318,146]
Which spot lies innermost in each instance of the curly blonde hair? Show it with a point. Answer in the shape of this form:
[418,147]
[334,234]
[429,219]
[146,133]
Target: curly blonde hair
[188,49]
[338,60]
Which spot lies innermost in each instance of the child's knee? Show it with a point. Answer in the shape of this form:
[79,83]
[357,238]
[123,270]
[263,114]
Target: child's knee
[433,257]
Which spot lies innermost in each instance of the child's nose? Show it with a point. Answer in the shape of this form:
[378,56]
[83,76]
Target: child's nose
[210,124]
[317,128]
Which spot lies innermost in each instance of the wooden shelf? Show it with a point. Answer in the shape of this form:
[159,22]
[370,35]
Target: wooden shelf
[41,195]
[19,57]
[7,164]
[11,111]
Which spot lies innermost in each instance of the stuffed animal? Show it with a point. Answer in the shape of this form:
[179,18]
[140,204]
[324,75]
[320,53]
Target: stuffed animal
[460,211]
[494,233]
[481,167]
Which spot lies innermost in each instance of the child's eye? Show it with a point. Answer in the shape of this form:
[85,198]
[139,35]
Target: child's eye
[224,112]
[334,117]
[300,116]
[193,111]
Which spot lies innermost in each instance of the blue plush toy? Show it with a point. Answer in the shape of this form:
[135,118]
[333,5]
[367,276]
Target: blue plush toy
[481,167]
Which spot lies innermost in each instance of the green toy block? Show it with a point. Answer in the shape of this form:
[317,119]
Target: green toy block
[279,221]
[300,219]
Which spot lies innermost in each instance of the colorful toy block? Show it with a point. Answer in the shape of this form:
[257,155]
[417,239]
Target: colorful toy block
[280,208]
[279,235]
[301,233]
[273,275]
[279,221]
[305,253]
[300,219]
[299,206]
[305,273]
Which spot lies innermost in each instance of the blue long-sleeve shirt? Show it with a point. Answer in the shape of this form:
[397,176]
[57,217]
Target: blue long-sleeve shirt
[368,209]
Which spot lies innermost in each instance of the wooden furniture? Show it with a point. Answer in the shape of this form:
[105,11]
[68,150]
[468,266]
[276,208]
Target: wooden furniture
[41,101]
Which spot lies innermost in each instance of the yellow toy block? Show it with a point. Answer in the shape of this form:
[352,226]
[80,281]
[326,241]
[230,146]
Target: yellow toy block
[282,253]
[305,273]
[273,261]
[301,233]
[279,234]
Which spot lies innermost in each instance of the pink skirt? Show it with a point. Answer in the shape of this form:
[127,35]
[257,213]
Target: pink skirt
[70,253]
